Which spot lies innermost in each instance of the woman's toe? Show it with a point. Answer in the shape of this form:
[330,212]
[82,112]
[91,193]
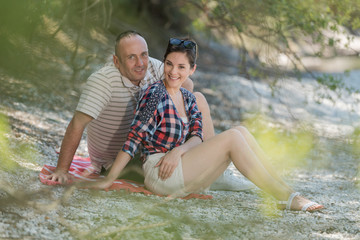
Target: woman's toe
[314,207]
[300,203]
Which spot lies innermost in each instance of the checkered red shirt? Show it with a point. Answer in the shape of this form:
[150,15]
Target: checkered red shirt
[157,125]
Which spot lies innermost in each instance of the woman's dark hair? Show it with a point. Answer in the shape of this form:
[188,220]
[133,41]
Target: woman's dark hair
[184,45]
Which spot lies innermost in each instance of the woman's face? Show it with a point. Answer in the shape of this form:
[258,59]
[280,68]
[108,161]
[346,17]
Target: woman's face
[177,69]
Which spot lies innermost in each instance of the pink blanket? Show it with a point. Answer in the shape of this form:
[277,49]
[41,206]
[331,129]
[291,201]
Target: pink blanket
[82,169]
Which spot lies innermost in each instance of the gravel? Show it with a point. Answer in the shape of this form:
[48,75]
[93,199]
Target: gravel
[329,175]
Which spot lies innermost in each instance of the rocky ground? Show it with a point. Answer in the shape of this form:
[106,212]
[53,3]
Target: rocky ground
[328,174]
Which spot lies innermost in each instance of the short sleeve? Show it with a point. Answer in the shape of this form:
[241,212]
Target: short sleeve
[95,96]
[156,68]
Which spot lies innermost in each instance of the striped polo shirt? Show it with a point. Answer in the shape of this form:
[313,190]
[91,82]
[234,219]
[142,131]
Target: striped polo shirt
[111,99]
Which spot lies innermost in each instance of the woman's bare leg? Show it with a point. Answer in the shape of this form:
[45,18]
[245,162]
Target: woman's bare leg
[209,132]
[204,163]
[259,153]
[226,181]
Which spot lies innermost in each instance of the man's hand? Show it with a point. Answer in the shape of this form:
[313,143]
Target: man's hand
[69,145]
[60,176]
[168,163]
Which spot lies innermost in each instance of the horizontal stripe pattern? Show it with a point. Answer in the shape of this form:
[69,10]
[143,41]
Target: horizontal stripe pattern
[111,100]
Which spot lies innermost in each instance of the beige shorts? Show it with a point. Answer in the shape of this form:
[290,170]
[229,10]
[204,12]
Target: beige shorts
[174,185]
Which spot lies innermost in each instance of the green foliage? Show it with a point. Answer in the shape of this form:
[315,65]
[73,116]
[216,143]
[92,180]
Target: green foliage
[13,152]
[286,149]
[277,20]
[330,81]
[355,141]
[267,29]
[50,44]
[6,163]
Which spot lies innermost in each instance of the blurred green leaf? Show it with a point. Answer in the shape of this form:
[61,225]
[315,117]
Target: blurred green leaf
[6,163]
[285,148]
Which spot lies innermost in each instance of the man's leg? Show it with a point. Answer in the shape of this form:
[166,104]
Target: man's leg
[227,181]
[133,170]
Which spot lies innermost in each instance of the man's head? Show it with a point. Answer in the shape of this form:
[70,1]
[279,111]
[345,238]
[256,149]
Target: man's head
[131,56]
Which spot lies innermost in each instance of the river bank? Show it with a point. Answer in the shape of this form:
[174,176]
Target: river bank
[328,175]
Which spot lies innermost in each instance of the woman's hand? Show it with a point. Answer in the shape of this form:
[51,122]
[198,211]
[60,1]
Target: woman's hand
[168,163]
[98,184]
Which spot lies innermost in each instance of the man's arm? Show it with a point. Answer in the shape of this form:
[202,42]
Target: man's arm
[188,85]
[69,146]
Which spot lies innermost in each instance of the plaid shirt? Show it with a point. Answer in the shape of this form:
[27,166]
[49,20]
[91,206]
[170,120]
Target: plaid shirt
[157,124]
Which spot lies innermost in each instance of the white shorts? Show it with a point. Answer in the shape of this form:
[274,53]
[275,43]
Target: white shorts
[174,185]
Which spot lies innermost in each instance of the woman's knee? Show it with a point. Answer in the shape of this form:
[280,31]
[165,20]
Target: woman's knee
[243,130]
[235,141]
[234,135]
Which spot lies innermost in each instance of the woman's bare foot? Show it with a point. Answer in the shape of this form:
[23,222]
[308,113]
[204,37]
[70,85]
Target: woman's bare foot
[299,203]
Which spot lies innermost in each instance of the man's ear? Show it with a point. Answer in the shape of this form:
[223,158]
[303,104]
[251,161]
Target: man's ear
[116,61]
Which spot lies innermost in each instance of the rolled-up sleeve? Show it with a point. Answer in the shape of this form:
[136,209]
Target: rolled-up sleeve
[195,128]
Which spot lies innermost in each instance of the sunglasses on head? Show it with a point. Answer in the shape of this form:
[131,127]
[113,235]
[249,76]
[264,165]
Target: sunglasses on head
[188,44]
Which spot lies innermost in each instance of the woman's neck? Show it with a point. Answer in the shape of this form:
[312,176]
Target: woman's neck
[172,91]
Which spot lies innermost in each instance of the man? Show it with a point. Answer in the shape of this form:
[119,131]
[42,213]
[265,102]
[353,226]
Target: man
[107,104]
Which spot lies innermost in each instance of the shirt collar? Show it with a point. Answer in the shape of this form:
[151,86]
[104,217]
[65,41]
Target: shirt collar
[126,81]
[129,84]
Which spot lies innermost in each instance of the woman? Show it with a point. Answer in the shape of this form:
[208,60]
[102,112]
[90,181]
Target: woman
[168,125]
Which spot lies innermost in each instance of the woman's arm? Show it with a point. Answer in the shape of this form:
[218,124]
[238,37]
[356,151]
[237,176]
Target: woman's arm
[169,162]
[120,162]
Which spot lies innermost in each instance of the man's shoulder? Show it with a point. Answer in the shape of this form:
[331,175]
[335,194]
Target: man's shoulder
[155,70]
[155,62]
[108,71]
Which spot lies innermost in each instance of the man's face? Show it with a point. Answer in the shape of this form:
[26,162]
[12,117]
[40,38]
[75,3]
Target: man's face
[132,58]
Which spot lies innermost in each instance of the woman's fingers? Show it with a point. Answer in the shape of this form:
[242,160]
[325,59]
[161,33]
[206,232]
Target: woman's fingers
[166,169]
[162,167]
[162,170]
[159,162]
[169,173]
[164,173]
